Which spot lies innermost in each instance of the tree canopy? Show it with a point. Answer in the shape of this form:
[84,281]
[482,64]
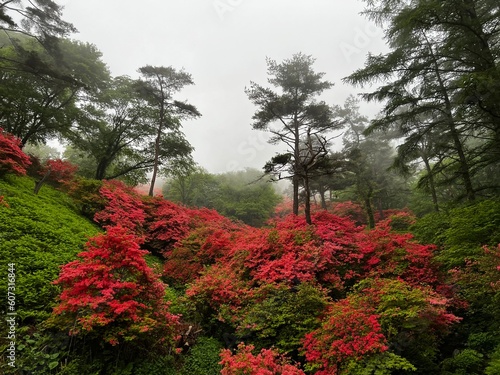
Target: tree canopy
[294,117]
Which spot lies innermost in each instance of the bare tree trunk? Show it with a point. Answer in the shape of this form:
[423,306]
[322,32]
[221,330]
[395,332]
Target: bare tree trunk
[369,213]
[101,169]
[432,185]
[296,169]
[307,199]
[322,193]
[368,207]
[40,182]
[155,165]
[157,147]
[295,183]
[380,209]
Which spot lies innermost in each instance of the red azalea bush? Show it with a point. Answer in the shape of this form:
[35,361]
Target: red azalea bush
[123,207]
[111,290]
[288,251]
[267,362]
[202,247]
[291,249]
[61,171]
[188,239]
[379,315]
[391,254]
[348,332]
[222,289]
[57,172]
[12,158]
[351,210]
[167,223]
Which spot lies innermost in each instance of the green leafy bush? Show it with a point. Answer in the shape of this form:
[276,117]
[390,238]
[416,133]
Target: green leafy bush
[283,316]
[157,366]
[85,194]
[494,364]
[203,358]
[461,232]
[465,362]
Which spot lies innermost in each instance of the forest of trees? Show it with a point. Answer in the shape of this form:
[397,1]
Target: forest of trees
[381,257]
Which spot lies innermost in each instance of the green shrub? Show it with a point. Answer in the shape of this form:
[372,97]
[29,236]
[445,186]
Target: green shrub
[430,229]
[86,196]
[158,366]
[283,317]
[461,232]
[203,358]
[494,363]
[465,362]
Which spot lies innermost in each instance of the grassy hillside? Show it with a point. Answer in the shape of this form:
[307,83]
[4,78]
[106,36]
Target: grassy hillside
[38,233]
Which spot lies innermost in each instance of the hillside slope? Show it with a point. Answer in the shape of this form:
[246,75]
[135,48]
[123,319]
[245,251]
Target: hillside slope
[38,234]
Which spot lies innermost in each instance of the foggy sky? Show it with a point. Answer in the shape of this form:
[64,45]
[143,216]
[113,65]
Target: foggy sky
[223,44]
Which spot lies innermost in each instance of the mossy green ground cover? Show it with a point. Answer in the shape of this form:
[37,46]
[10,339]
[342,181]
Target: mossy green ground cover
[38,233]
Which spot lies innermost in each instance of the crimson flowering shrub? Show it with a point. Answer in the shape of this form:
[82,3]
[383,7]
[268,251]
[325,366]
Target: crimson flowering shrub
[222,289]
[284,208]
[188,239]
[397,255]
[397,218]
[143,189]
[201,248]
[380,315]
[12,158]
[111,292]
[267,362]
[61,171]
[292,250]
[56,172]
[353,211]
[348,332]
[123,207]
[169,223]
[334,251]
[340,259]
